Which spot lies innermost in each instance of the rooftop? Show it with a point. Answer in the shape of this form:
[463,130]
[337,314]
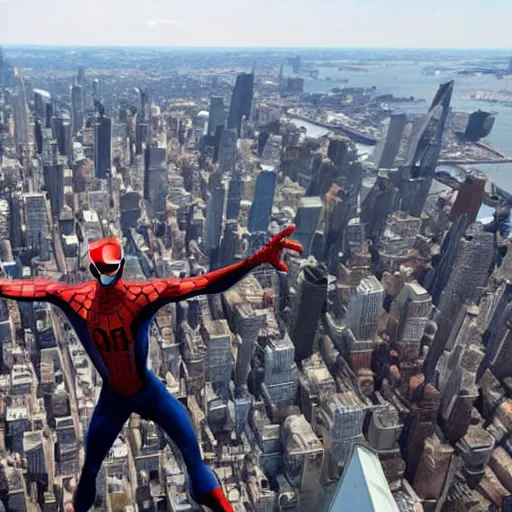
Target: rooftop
[363,485]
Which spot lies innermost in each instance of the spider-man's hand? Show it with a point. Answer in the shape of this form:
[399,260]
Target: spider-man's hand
[272,251]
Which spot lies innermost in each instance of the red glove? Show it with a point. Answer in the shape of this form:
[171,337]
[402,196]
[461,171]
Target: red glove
[273,249]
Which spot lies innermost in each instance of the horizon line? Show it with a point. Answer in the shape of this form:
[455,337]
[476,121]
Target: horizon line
[223,47]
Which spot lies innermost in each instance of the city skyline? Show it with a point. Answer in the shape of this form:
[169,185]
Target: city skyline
[370,24]
[374,352]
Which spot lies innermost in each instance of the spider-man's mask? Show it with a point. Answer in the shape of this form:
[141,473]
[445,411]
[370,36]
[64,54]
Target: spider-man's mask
[107,260]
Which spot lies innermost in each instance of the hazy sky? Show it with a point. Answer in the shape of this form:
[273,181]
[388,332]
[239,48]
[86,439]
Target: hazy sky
[374,23]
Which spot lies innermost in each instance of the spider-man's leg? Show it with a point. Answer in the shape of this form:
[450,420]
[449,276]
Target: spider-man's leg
[165,410]
[107,421]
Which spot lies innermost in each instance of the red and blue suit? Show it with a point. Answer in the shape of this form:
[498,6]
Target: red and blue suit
[112,318]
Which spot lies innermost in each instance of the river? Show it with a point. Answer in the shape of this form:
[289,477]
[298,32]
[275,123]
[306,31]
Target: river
[405,79]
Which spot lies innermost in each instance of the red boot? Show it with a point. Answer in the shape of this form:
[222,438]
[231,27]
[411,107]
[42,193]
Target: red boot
[215,500]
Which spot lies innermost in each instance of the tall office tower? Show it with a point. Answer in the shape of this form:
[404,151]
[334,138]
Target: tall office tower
[39,453]
[77,108]
[143,124]
[234,197]
[53,175]
[21,136]
[280,376]
[102,144]
[498,335]
[376,207]
[303,457]
[364,484]
[227,151]
[241,101]
[479,125]
[272,150]
[38,134]
[410,311]
[130,211]
[387,149]
[247,323]
[214,211]
[67,446]
[322,179]
[5,220]
[217,115]
[423,153]
[364,308]
[42,102]
[61,127]
[229,243]
[469,197]
[437,278]
[80,77]
[307,308]
[43,112]
[16,208]
[17,498]
[37,222]
[97,89]
[470,270]
[156,180]
[307,221]
[341,417]
[220,355]
[261,208]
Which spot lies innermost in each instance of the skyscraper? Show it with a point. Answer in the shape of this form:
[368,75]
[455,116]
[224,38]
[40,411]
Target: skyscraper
[102,143]
[307,220]
[387,149]
[234,197]
[479,125]
[61,127]
[423,152]
[280,379]
[130,210]
[220,357]
[77,108]
[228,245]
[37,225]
[469,197]
[410,309]
[261,208]
[363,484]
[306,309]
[42,99]
[217,115]
[156,180]
[80,79]
[470,270]
[241,100]
[227,151]
[53,175]
[364,308]
[20,112]
[43,112]
[214,211]
[142,124]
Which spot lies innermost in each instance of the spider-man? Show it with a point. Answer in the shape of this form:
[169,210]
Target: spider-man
[112,318]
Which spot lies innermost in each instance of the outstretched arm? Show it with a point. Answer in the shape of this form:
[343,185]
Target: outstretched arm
[221,280]
[29,290]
